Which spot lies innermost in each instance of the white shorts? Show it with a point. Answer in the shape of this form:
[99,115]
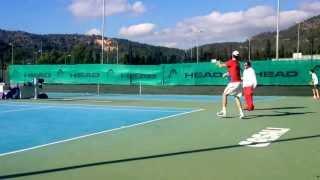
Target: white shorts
[233,89]
[315,86]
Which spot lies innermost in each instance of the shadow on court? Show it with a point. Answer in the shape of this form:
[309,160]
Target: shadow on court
[9,176]
[277,114]
[279,108]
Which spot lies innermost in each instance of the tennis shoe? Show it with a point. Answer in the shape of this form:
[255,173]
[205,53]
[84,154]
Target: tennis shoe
[221,114]
[241,115]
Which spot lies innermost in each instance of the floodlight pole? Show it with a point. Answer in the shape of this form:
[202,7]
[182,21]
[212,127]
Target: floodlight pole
[197,44]
[41,49]
[11,44]
[249,49]
[102,31]
[102,39]
[117,52]
[298,45]
[191,51]
[278,21]
[70,58]
[186,54]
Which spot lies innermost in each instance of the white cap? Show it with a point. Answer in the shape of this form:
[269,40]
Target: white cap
[235,53]
[213,60]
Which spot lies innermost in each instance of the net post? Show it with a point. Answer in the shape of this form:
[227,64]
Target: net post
[20,93]
[140,88]
[98,89]
[35,88]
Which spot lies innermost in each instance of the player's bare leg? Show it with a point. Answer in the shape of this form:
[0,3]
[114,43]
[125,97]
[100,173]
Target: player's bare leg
[223,112]
[317,93]
[239,106]
[314,93]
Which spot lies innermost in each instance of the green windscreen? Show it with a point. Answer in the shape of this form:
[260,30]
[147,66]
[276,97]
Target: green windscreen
[268,73]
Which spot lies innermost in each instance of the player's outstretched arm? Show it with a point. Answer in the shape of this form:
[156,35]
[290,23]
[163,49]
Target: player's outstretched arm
[220,64]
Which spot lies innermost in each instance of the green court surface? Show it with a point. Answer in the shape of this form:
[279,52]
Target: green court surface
[195,146]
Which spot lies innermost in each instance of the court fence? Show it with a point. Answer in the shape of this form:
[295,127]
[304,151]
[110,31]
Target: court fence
[286,73]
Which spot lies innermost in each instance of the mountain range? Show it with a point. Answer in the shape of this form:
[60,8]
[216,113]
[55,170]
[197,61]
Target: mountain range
[31,48]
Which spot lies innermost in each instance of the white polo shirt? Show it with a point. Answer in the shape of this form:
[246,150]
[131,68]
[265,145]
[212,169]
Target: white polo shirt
[315,79]
[1,87]
[249,78]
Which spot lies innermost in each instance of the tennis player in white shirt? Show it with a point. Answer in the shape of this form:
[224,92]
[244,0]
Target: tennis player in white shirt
[1,89]
[249,81]
[314,84]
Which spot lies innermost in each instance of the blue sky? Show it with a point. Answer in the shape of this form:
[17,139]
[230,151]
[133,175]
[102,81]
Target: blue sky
[160,22]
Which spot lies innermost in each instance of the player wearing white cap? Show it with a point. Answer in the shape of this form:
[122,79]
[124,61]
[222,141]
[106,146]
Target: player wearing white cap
[234,86]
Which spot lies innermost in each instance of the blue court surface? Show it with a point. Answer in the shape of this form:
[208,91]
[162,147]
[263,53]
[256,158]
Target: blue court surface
[27,126]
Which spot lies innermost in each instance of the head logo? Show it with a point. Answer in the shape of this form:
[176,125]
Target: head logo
[110,72]
[172,73]
[59,73]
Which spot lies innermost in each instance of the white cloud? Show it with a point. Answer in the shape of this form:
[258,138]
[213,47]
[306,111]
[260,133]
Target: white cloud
[170,45]
[217,26]
[93,8]
[93,31]
[138,7]
[137,30]
[313,7]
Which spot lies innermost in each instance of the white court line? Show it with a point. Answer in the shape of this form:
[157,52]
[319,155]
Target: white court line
[26,109]
[15,105]
[76,99]
[102,132]
[109,108]
[98,106]
[97,101]
[122,109]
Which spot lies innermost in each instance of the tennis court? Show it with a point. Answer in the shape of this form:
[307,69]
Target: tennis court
[26,126]
[157,137]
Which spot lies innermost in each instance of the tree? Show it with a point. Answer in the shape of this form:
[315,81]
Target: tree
[173,58]
[282,51]
[268,49]
[55,57]
[149,59]
[88,55]
[78,53]
[201,55]
[126,59]
[130,55]
[257,54]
